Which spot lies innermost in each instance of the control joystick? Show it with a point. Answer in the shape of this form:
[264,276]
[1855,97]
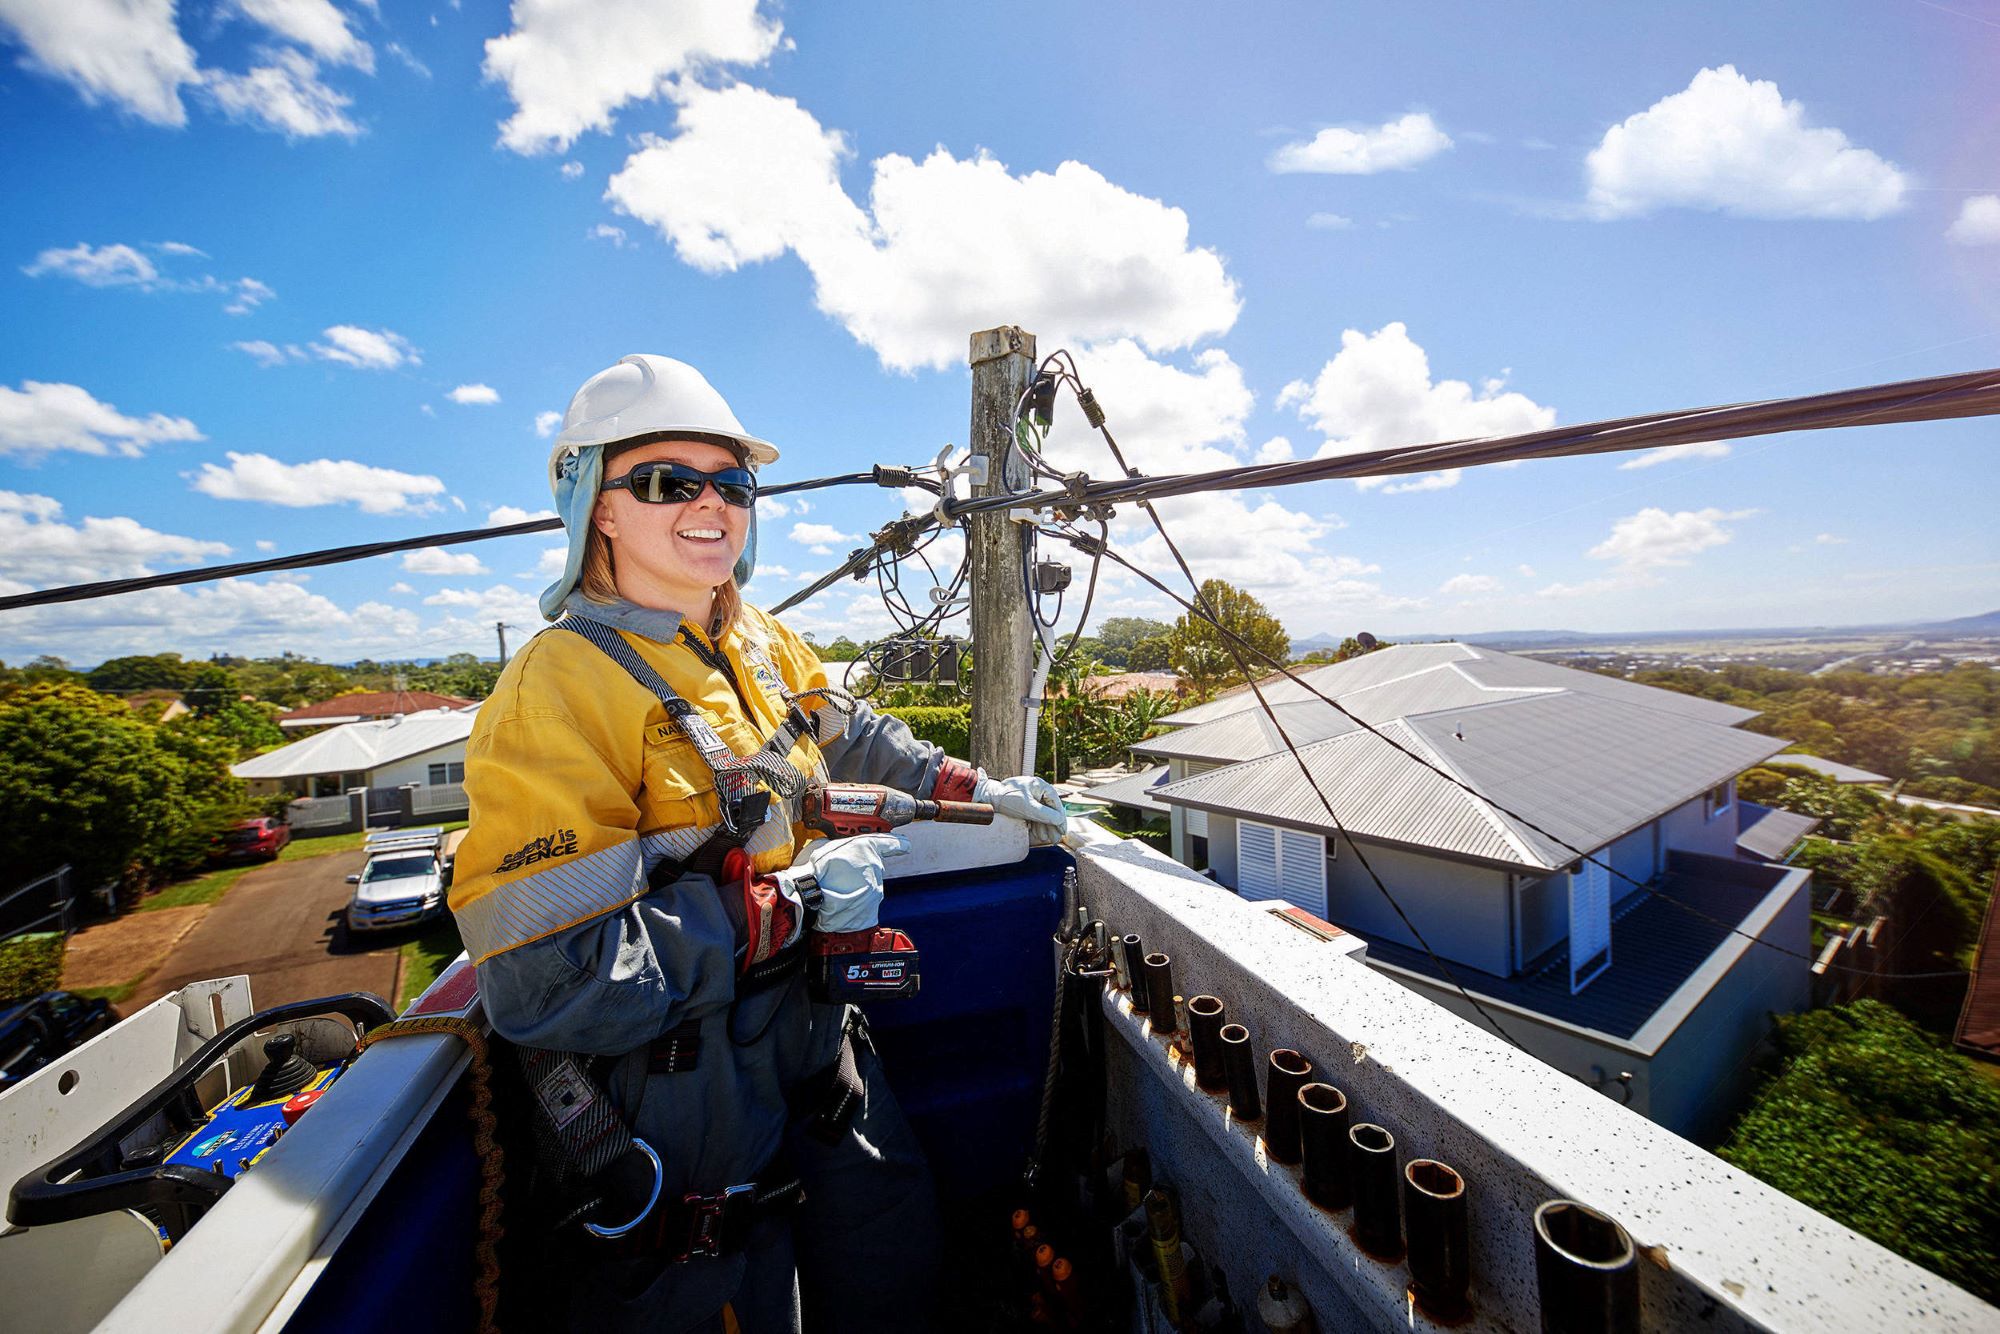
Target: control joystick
[286,1072]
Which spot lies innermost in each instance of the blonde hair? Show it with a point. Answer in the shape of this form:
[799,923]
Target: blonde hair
[598,580]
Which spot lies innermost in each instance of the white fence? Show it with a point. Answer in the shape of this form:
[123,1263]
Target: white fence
[438,797]
[318,812]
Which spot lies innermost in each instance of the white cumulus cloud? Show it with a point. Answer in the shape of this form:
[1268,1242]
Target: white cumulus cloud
[266,353]
[502,515]
[1164,417]
[604,231]
[366,349]
[474,393]
[40,417]
[313,24]
[546,423]
[1377,393]
[1653,538]
[101,266]
[126,52]
[1977,223]
[1701,449]
[436,560]
[945,246]
[569,67]
[1733,145]
[250,294]
[821,538]
[284,94]
[319,482]
[37,548]
[1469,585]
[572,171]
[1359,151]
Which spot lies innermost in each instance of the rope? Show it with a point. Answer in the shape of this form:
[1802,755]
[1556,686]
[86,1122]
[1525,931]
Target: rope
[485,1142]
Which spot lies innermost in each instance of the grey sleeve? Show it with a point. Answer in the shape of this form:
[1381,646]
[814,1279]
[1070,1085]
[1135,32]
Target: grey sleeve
[879,748]
[614,983]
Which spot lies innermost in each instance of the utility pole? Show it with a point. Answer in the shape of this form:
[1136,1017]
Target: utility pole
[1003,362]
[500,628]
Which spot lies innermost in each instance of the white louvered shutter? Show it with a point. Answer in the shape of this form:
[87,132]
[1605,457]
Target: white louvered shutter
[1256,861]
[1302,870]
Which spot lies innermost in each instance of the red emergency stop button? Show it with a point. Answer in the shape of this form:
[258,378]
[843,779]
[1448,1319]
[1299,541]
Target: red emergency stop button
[295,1106]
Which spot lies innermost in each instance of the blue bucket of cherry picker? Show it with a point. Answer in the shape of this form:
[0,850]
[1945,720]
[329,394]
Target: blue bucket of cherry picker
[966,1054]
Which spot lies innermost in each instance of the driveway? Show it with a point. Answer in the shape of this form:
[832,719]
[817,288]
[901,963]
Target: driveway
[282,924]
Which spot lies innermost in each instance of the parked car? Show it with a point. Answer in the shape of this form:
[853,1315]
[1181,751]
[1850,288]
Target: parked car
[402,884]
[35,1032]
[251,840]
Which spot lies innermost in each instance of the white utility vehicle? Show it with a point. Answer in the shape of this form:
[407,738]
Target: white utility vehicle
[403,883]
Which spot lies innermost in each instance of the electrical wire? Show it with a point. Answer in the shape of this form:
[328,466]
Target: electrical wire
[304,560]
[1965,394]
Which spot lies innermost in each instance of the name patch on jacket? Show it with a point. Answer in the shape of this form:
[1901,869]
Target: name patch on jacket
[562,843]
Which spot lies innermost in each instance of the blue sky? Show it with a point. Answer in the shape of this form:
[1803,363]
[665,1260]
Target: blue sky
[283,274]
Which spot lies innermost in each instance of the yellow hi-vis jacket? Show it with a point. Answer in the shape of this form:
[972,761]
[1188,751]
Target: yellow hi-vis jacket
[580,784]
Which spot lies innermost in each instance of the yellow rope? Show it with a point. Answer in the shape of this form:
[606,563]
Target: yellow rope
[485,1141]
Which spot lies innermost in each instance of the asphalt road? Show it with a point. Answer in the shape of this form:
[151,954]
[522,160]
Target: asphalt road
[282,924]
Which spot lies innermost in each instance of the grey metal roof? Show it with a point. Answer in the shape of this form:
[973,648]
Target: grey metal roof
[1334,679]
[1834,769]
[359,747]
[1769,834]
[1415,678]
[1248,734]
[1133,790]
[1583,767]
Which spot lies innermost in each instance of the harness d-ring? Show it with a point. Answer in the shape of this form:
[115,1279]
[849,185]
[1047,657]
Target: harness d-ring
[653,1198]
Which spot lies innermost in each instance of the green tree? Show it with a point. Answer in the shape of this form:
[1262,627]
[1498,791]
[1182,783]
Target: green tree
[157,671]
[842,649]
[211,689]
[465,675]
[1200,651]
[1155,653]
[245,728]
[1118,635]
[1873,1123]
[83,782]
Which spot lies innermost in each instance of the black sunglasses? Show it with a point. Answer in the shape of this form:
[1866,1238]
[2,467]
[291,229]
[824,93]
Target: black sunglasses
[664,483]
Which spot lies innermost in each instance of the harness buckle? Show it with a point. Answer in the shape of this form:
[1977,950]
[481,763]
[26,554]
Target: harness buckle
[716,1223]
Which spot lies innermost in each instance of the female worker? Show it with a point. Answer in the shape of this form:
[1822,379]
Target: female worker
[650,975]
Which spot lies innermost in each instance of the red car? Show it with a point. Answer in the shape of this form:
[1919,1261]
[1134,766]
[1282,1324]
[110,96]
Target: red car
[258,838]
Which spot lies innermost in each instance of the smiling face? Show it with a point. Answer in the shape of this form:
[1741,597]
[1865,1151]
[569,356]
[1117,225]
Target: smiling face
[671,557]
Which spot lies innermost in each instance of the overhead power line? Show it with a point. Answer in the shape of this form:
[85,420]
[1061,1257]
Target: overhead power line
[1965,394]
[306,560]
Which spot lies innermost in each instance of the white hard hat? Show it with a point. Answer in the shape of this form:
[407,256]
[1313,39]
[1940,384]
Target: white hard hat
[648,395]
[643,396]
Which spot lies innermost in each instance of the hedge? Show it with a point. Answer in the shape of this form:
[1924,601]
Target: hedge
[31,964]
[948,726]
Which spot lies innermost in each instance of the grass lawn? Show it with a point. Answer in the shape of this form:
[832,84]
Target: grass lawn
[425,956]
[117,995]
[330,843]
[205,888]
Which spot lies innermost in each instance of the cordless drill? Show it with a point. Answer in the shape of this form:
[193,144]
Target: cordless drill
[879,962]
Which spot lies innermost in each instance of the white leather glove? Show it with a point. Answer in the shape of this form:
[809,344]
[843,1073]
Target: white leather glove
[849,872]
[1027,798]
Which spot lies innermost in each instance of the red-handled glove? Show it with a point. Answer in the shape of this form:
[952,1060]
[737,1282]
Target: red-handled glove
[773,918]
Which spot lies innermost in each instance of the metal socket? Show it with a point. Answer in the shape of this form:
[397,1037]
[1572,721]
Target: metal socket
[1586,1269]
[1205,1020]
[1135,969]
[1434,1215]
[1159,974]
[1378,1224]
[1285,1074]
[1239,1070]
[1323,1146]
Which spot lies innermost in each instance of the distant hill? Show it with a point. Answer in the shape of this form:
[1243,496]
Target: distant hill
[1985,625]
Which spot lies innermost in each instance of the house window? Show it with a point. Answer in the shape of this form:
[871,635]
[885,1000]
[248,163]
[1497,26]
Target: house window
[1718,799]
[1273,863]
[441,774]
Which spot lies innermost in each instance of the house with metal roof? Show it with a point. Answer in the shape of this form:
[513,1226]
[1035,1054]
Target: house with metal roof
[1566,847]
[393,769]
